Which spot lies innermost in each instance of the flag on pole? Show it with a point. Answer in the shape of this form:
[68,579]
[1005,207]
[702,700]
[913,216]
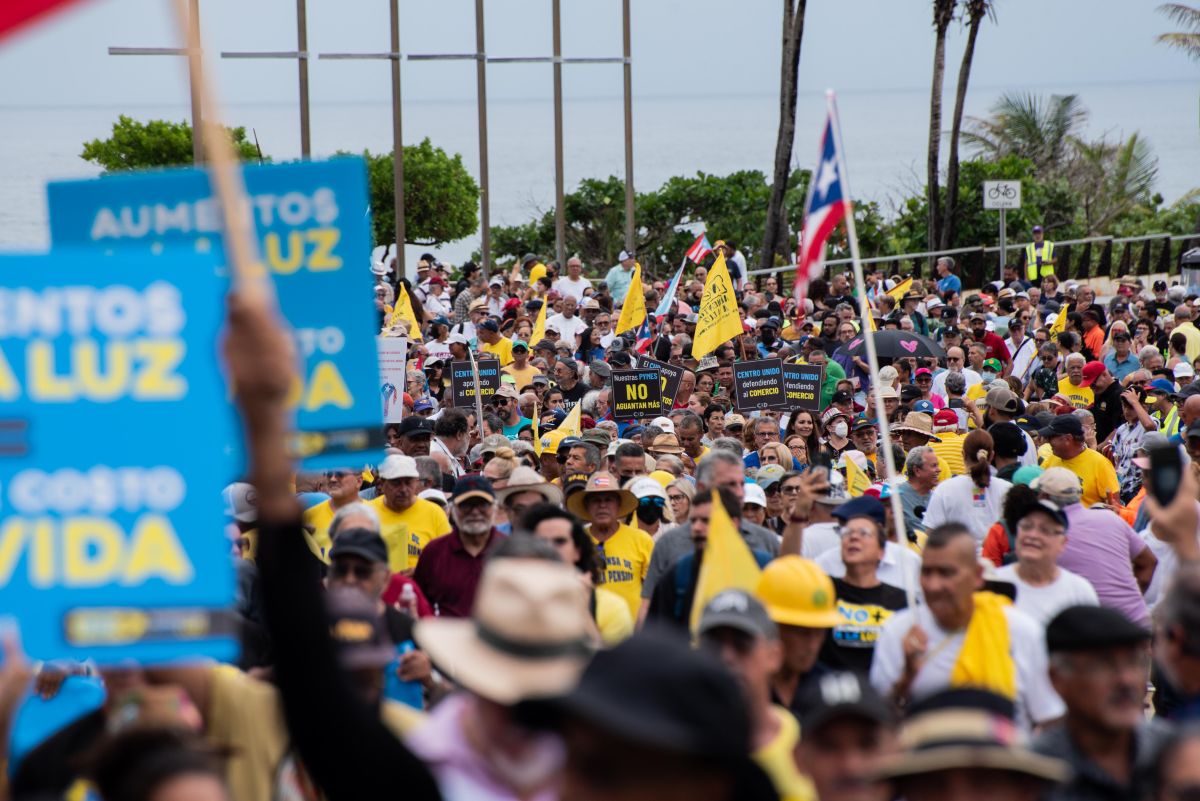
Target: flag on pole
[539,326]
[404,310]
[700,249]
[727,562]
[719,320]
[537,434]
[825,207]
[1060,322]
[668,301]
[572,425]
[900,290]
[15,14]
[633,313]
[857,480]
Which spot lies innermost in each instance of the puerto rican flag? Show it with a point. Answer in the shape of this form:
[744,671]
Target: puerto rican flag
[700,249]
[825,207]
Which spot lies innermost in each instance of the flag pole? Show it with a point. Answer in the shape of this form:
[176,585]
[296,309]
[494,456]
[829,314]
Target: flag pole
[868,337]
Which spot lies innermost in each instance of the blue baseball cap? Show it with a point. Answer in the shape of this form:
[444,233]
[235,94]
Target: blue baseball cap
[424,404]
[1162,385]
[924,406]
[862,506]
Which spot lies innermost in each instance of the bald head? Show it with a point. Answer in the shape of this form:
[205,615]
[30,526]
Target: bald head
[1190,411]
[1183,313]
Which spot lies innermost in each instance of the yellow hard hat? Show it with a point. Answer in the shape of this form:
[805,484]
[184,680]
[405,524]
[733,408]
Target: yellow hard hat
[798,593]
[662,477]
[551,439]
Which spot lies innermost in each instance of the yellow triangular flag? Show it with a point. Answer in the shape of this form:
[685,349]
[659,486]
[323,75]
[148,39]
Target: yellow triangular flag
[727,563]
[537,434]
[1060,322]
[857,482]
[900,290]
[718,319]
[871,323]
[404,309]
[633,313]
[539,326]
[571,425]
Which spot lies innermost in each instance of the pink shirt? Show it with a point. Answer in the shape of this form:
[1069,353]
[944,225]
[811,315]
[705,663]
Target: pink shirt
[1101,548]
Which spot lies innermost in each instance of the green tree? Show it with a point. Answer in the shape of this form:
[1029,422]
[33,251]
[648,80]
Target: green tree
[943,15]
[158,143]
[976,11]
[1187,40]
[441,198]
[1112,179]
[1030,126]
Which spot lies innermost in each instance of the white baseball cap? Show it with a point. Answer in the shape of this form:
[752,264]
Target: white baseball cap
[646,487]
[398,466]
[241,502]
[1184,369]
[665,423]
[752,493]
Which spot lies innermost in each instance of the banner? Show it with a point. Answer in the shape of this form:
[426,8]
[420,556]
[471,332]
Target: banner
[462,384]
[718,320]
[113,428]
[636,394]
[669,375]
[314,238]
[393,378]
[802,386]
[758,385]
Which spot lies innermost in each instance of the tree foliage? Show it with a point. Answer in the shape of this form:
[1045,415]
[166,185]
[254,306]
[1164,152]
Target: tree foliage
[441,199]
[158,143]
[1187,40]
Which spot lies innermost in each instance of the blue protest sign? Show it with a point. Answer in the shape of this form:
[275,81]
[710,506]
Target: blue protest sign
[111,457]
[314,239]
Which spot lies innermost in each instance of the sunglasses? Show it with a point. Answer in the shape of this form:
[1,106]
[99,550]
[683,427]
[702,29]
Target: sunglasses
[337,475]
[360,571]
[659,502]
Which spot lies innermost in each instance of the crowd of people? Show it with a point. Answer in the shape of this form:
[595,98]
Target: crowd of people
[518,606]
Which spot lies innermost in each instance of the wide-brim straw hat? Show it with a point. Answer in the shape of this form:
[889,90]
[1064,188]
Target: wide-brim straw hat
[601,483]
[918,423]
[526,479]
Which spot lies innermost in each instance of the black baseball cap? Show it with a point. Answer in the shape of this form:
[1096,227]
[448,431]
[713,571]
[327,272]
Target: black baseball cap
[362,542]
[357,629]
[1091,628]
[951,331]
[1063,424]
[1046,507]
[472,486]
[415,427]
[1160,286]
[842,396]
[841,695]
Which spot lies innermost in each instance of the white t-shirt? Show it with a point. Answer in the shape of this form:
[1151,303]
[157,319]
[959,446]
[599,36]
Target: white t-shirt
[1043,603]
[570,329]
[898,565]
[439,349]
[1022,356]
[819,538]
[573,287]
[438,304]
[958,500]
[1036,700]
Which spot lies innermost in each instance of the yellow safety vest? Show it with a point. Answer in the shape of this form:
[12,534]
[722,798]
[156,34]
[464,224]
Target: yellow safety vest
[1031,257]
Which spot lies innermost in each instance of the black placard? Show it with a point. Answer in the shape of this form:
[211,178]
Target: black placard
[636,394]
[802,386]
[758,385]
[462,383]
[670,375]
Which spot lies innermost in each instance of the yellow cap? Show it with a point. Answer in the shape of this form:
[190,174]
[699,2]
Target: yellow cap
[536,272]
[551,439]
[662,477]
[798,593]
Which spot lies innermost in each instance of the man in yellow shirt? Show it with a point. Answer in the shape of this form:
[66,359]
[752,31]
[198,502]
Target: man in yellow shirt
[1099,478]
[407,522]
[1185,324]
[491,342]
[735,626]
[520,369]
[949,445]
[622,549]
[343,484]
[1073,386]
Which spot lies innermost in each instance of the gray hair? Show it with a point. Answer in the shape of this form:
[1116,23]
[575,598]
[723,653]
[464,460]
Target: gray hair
[1148,352]
[1048,349]
[354,510]
[731,444]
[429,470]
[1075,358]
[671,463]
[589,402]
[956,383]
[688,420]
[704,470]
[1084,416]
[1180,606]
[916,458]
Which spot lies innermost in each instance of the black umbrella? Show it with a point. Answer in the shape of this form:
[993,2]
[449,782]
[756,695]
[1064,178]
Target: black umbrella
[892,344]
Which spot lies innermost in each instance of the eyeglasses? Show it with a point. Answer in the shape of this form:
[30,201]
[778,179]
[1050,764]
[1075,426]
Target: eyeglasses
[676,498]
[847,532]
[790,489]
[361,571]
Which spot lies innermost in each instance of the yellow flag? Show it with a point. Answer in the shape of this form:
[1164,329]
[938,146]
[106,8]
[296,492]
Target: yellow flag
[1060,322]
[633,313]
[719,320]
[404,309]
[539,326]
[900,290]
[537,434]
[871,323]
[857,482]
[727,563]
[571,426]
[536,272]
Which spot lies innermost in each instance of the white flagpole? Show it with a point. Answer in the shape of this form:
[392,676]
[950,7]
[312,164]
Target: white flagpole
[869,338]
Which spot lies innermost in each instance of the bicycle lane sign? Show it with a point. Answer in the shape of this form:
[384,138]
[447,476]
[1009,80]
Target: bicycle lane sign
[1001,195]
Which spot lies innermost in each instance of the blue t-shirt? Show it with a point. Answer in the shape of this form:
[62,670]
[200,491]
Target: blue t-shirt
[1121,369]
[511,431]
[951,283]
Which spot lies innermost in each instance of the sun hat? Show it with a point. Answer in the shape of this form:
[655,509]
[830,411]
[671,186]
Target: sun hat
[918,423]
[527,637]
[398,466]
[798,593]
[526,479]
[665,443]
[600,483]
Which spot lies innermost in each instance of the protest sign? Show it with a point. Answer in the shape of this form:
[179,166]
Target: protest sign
[669,376]
[802,386]
[636,394]
[462,383]
[758,384]
[314,239]
[115,423]
[393,351]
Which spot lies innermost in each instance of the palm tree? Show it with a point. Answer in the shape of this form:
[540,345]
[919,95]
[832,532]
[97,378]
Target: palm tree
[975,13]
[1029,126]
[775,232]
[943,14]
[1112,178]
[1189,40]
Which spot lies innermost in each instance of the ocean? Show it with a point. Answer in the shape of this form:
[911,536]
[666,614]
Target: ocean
[885,134]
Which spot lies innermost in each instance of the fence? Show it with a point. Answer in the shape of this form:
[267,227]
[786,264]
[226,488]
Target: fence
[1078,259]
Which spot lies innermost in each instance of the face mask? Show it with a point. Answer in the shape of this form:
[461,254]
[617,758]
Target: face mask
[840,429]
[988,375]
[649,513]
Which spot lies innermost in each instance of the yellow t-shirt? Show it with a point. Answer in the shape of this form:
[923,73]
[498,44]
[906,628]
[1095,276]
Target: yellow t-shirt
[612,617]
[502,350]
[626,559]
[1097,474]
[775,758]
[949,454]
[1080,397]
[407,533]
[1192,335]
[522,378]
[320,517]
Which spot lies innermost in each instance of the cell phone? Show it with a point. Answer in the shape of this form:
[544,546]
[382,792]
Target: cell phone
[1166,471]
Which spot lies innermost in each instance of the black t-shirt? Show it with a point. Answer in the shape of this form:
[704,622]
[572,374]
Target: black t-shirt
[851,644]
[1106,408]
[573,395]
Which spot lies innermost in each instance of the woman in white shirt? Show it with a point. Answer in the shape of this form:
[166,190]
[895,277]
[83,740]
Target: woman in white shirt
[976,499]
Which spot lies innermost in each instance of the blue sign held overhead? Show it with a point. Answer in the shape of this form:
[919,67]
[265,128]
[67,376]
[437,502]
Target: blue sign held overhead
[314,239]
[114,406]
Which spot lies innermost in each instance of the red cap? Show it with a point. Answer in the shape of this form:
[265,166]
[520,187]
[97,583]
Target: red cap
[1091,371]
[437,279]
[923,371]
[945,417]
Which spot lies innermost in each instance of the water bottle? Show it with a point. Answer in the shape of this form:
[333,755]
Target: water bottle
[408,600]
[409,693]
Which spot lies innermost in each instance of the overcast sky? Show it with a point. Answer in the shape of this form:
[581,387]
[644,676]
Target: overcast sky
[689,47]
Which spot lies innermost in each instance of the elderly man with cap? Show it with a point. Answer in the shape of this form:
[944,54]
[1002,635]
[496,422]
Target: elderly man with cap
[962,636]
[407,523]
[736,627]
[1100,664]
[413,436]
[1096,473]
[1104,550]
[961,744]
[623,549]
[620,276]
[847,730]
[494,343]
[598,374]
[566,375]
[896,565]
[450,566]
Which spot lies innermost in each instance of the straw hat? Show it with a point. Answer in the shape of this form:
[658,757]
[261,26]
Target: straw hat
[526,479]
[600,483]
[527,636]
[665,443]
[918,423]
